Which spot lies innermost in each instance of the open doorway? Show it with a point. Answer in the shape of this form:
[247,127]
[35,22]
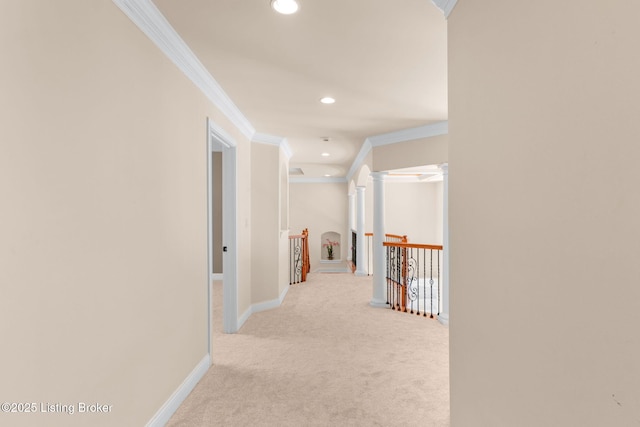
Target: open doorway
[216,214]
[221,226]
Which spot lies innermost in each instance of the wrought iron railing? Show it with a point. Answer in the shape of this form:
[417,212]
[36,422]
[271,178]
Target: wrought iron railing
[299,264]
[354,252]
[369,247]
[413,277]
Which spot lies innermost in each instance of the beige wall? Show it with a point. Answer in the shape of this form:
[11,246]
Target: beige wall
[414,209]
[320,208]
[103,192]
[283,277]
[266,249]
[418,152]
[543,106]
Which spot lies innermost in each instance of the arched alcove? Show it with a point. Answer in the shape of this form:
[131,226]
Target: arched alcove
[330,246]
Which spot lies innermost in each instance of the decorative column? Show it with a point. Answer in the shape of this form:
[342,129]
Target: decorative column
[352,198]
[360,271]
[379,298]
[444,314]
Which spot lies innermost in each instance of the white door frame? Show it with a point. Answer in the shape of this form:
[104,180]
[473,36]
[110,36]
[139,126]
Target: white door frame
[219,141]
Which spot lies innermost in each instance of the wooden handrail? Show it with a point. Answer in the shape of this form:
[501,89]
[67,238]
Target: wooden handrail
[413,245]
[306,263]
[397,236]
[392,236]
[304,249]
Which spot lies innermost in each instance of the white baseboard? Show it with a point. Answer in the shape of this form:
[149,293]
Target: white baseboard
[245,316]
[268,305]
[262,306]
[173,403]
[444,319]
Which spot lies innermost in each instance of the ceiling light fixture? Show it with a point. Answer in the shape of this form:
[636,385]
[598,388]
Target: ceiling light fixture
[325,154]
[327,100]
[285,7]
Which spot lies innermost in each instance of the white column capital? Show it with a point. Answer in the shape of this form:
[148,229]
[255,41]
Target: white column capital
[378,176]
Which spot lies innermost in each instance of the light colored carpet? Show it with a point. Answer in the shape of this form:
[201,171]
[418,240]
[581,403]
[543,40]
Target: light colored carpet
[325,358]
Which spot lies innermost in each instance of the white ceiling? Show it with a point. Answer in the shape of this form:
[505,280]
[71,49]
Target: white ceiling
[383,61]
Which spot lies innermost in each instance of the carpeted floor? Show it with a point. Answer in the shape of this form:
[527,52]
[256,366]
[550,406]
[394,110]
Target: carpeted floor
[324,358]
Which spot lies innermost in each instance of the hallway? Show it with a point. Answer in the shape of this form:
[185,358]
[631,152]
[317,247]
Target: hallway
[324,358]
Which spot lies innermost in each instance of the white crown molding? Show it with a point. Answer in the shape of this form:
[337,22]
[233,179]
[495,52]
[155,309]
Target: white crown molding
[278,141]
[171,405]
[446,6]
[326,180]
[364,150]
[146,16]
[426,131]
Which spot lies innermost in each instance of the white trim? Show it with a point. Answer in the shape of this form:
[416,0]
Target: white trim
[271,304]
[230,240]
[219,140]
[173,403]
[443,318]
[446,6]
[263,306]
[217,276]
[209,236]
[278,141]
[364,150]
[224,139]
[245,316]
[146,16]
[426,131]
[310,180]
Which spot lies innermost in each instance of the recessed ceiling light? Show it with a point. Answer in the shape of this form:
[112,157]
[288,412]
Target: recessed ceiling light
[325,154]
[286,7]
[327,175]
[327,100]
